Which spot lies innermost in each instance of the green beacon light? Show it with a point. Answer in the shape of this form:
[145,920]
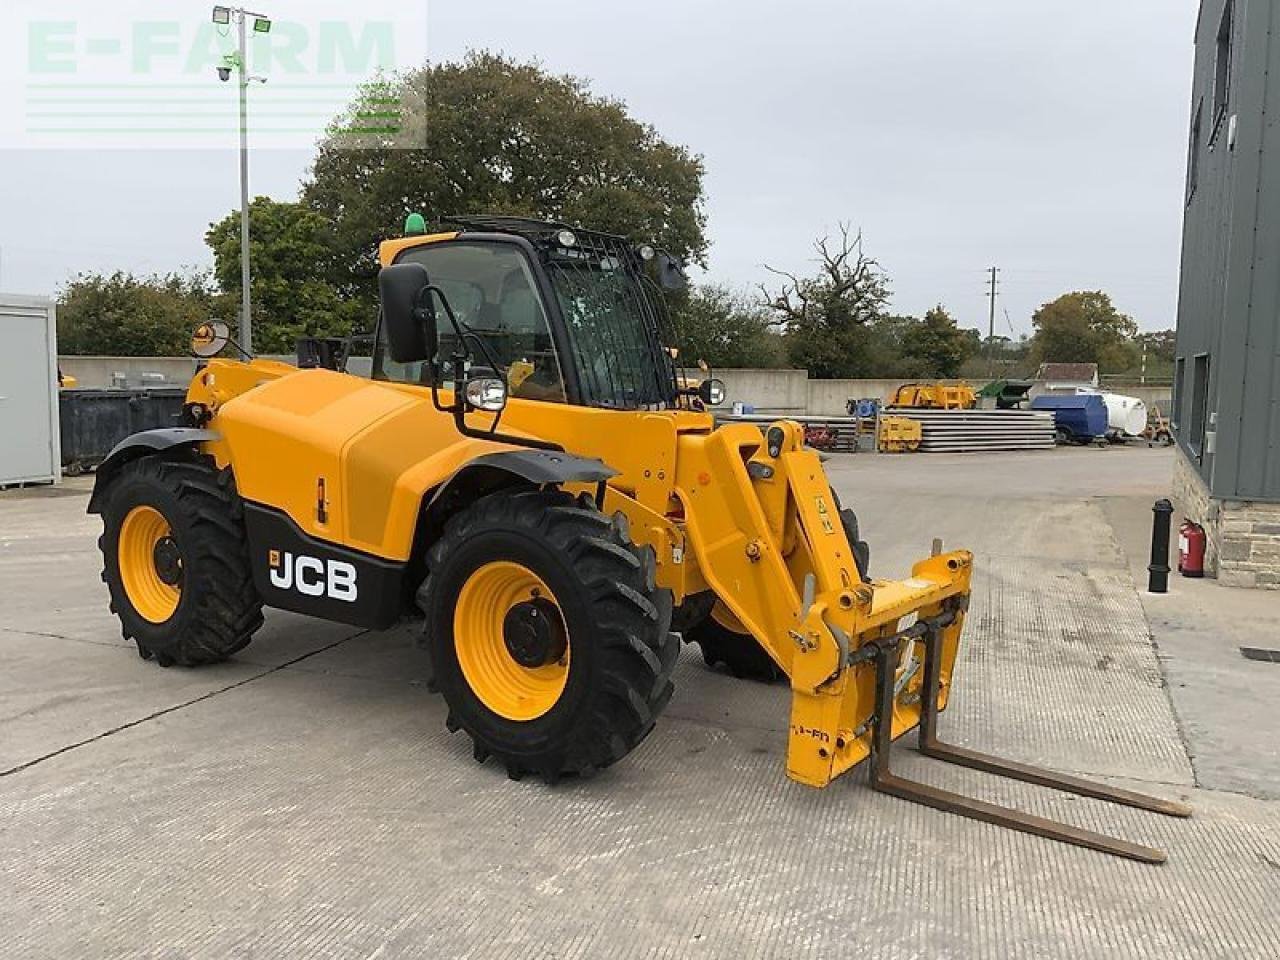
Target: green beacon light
[415,225]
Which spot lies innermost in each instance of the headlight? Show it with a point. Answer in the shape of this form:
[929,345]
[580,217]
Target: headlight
[486,393]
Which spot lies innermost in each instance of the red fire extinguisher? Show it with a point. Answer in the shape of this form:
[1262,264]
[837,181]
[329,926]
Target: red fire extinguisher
[1191,546]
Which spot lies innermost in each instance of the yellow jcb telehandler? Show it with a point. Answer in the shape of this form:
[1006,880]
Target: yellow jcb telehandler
[525,472]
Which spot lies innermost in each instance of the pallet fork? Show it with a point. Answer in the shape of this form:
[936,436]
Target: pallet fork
[883,653]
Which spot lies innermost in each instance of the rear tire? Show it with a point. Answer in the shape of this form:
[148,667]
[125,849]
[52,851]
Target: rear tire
[568,698]
[176,562]
[740,653]
[861,549]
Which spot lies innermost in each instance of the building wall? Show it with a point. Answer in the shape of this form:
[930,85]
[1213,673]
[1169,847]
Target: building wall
[1229,298]
[1242,536]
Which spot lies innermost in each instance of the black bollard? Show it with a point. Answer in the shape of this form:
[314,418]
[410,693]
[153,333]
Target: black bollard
[1158,569]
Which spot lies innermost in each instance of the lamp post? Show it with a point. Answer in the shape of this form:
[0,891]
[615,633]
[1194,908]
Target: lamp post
[239,62]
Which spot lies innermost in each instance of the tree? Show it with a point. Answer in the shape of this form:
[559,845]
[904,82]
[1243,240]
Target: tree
[1161,345]
[128,316]
[291,297]
[725,329]
[1084,327]
[937,345]
[825,317]
[491,135]
[884,351]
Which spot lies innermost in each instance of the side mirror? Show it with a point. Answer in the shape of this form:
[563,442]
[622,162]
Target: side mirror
[210,339]
[408,313]
[671,275]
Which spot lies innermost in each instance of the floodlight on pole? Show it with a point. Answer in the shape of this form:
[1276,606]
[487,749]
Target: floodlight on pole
[240,63]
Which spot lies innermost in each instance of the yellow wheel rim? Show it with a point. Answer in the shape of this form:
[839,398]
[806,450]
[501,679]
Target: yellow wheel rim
[511,641]
[146,546]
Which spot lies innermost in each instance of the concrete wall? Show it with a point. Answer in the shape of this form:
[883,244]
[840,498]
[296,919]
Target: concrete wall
[790,391]
[829,398]
[98,371]
[769,391]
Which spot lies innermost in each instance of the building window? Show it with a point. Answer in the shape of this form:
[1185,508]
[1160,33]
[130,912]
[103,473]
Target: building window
[1199,402]
[1179,371]
[1193,150]
[1222,70]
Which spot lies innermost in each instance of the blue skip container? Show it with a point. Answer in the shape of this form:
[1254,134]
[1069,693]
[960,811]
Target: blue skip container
[1078,418]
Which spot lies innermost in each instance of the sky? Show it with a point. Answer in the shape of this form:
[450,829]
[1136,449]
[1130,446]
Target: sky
[1045,138]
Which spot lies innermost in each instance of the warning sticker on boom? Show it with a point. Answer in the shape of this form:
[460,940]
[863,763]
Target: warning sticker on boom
[824,515]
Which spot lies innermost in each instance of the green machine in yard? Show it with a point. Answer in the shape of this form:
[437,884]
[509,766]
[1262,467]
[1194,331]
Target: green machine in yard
[1008,394]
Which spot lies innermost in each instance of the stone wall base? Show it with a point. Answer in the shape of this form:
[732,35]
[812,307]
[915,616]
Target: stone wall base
[1243,536]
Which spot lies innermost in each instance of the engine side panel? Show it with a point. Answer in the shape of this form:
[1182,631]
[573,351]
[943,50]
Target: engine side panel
[348,460]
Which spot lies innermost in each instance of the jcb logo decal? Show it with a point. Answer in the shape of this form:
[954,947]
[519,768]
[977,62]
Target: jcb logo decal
[335,579]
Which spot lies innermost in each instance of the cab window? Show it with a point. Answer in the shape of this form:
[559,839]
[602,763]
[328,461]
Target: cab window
[491,290]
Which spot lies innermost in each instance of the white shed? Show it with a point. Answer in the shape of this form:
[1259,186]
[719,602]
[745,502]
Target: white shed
[29,437]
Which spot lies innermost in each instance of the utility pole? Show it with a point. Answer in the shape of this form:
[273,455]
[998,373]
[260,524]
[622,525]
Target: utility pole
[246,302]
[261,24]
[991,323]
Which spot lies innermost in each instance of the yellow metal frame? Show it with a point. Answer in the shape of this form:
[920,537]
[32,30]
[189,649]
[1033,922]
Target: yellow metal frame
[899,434]
[935,396]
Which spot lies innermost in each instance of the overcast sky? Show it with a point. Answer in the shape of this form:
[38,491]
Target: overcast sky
[1046,138]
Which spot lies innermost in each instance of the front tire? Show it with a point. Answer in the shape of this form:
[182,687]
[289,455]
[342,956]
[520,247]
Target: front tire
[176,562]
[548,637]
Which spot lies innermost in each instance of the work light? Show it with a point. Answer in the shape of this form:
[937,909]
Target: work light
[222,15]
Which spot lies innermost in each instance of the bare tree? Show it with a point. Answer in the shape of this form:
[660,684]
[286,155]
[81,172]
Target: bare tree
[824,315]
[846,275]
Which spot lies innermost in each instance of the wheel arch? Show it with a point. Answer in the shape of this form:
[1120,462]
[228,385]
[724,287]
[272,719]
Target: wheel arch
[166,441]
[489,473]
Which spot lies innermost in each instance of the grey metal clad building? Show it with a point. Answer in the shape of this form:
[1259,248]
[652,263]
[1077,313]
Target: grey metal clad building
[1226,406]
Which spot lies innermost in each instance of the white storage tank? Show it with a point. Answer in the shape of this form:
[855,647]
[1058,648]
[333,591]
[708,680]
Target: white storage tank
[29,441]
[1126,415]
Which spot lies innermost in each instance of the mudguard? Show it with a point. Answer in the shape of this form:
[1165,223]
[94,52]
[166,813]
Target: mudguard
[140,445]
[534,466]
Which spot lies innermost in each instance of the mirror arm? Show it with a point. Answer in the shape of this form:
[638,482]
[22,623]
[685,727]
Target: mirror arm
[459,406]
[435,388]
[460,327]
[240,350]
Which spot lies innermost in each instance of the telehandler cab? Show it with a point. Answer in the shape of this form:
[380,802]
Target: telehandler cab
[528,472]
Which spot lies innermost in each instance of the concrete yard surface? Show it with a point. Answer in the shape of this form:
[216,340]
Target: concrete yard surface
[306,800]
